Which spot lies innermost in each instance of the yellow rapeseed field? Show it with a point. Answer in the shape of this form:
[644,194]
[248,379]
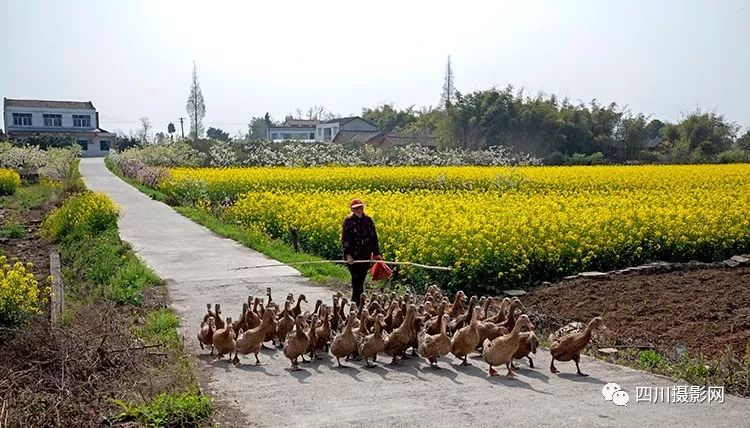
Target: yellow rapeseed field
[498,227]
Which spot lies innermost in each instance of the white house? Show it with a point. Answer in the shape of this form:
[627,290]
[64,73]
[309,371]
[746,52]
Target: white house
[79,119]
[317,131]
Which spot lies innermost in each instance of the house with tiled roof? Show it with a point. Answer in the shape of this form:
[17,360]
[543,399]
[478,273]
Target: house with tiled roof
[78,119]
[319,131]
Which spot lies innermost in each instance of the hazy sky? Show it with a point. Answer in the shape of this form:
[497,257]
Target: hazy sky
[134,58]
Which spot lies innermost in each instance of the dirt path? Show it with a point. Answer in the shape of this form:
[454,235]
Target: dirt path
[198,265]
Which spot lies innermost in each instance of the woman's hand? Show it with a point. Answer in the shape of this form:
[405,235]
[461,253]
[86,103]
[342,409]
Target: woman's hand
[349,259]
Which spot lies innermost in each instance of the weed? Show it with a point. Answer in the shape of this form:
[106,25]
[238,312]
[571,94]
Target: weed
[161,326]
[12,229]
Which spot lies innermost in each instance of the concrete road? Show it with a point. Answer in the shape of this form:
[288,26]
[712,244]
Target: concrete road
[197,266]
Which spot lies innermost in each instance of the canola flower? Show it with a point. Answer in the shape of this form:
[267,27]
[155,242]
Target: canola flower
[87,213]
[9,181]
[498,227]
[20,294]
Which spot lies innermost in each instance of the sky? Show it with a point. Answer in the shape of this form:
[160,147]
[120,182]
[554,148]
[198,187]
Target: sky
[135,58]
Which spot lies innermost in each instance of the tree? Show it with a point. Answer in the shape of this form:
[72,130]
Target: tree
[171,129]
[217,134]
[257,129]
[744,142]
[195,107]
[318,113]
[449,89]
[144,133]
[160,138]
[387,118]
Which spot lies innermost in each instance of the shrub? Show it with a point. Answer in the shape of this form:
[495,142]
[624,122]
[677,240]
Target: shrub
[9,181]
[20,294]
[84,214]
[556,158]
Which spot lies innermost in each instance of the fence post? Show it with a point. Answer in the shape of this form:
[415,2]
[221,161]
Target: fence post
[57,301]
[295,238]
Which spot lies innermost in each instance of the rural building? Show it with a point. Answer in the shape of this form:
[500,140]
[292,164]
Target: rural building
[78,119]
[318,131]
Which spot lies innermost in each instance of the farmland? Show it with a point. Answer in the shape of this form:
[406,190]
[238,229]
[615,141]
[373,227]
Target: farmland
[498,227]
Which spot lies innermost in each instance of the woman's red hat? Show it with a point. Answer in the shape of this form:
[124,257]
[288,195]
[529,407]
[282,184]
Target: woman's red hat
[356,203]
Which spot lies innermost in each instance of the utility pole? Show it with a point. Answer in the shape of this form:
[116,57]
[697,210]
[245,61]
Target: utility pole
[182,127]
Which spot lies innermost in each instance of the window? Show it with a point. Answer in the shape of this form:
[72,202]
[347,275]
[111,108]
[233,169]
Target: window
[104,145]
[274,135]
[84,144]
[21,119]
[52,120]
[312,135]
[286,136]
[82,120]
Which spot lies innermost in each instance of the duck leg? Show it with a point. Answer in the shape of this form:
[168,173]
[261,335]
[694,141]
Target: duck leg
[513,366]
[304,360]
[257,360]
[369,365]
[577,359]
[492,371]
[394,361]
[464,362]
[552,367]
[211,347]
[510,373]
[434,364]
[295,365]
[236,359]
[531,362]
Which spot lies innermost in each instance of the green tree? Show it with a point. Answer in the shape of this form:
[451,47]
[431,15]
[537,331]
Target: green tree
[387,118]
[217,134]
[743,142]
[258,127]
[196,107]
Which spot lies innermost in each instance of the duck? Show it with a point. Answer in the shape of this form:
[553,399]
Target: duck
[345,343]
[312,335]
[252,317]
[223,339]
[250,342]
[271,328]
[458,307]
[466,338]
[502,313]
[285,325]
[374,343]
[501,349]
[218,322]
[297,310]
[240,324]
[392,308]
[432,326]
[206,334]
[437,345]
[528,345]
[489,330]
[464,318]
[569,347]
[209,314]
[296,343]
[510,320]
[364,317]
[399,341]
[416,327]
[323,332]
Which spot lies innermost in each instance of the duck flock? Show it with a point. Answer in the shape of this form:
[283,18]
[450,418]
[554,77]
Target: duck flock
[390,325]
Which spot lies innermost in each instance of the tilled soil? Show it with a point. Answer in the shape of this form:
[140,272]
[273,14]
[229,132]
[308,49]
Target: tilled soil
[30,247]
[704,309]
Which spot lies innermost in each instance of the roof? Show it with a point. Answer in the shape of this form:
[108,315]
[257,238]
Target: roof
[301,122]
[342,120]
[364,137]
[83,105]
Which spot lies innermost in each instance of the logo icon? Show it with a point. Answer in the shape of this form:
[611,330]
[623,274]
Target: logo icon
[609,390]
[620,398]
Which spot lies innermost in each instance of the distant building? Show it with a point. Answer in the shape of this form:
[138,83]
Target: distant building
[384,140]
[78,119]
[317,131]
[293,129]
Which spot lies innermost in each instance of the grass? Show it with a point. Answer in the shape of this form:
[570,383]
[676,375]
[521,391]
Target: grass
[168,410]
[103,264]
[12,229]
[28,197]
[161,327]
[322,273]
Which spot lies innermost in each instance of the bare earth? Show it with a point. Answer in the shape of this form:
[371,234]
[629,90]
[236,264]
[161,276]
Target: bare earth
[198,267]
